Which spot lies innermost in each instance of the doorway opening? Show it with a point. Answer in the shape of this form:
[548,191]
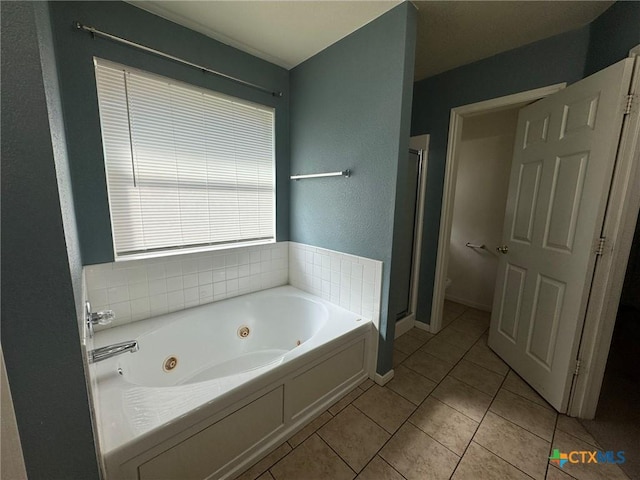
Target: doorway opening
[472,115]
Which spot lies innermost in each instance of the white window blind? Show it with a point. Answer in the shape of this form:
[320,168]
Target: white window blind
[186,167]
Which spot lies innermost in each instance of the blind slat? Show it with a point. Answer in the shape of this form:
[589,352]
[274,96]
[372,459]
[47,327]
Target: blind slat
[185,166]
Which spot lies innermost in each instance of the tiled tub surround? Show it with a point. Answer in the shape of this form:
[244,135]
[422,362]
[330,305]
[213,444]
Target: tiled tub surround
[350,281]
[140,289]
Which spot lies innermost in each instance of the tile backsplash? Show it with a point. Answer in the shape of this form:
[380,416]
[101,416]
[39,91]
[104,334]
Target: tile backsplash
[352,282]
[140,289]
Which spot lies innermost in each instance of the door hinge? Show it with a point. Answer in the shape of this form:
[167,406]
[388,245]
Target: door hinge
[600,248]
[627,108]
[577,370]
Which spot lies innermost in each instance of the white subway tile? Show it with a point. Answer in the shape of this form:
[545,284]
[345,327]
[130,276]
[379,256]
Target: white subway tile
[345,267]
[232,285]
[244,271]
[219,288]
[118,294]
[175,300]
[255,269]
[255,257]
[356,270]
[136,275]
[189,266]
[218,262]
[98,296]
[157,287]
[140,308]
[205,263]
[205,290]
[244,258]
[231,260]
[139,290]
[175,284]
[173,269]
[232,272]
[191,295]
[156,271]
[190,280]
[158,304]
[116,278]
[205,278]
[122,311]
[219,275]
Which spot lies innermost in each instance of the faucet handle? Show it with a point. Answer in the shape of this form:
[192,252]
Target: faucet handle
[104,317]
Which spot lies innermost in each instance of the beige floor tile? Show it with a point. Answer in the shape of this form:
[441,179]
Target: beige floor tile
[378,469]
[456,337]
[473,403]
[514,444]
[478,377]
[470,323]
[407,344]
[573,427]
[312,460]
[354,437]
[452,308]
[522,412]
[398,357]
[479,463]
[411,385]
[420,334]
[416,455]
[554,473]
[263,465]
[385,407]
[445,351]
[482,355]
[266,476]
[427,365]
[584,471]
[515,384]
[446,425]
[310,429]
[346,400]
[366,385]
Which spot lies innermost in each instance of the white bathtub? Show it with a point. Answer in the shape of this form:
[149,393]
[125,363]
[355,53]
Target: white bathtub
[236,377]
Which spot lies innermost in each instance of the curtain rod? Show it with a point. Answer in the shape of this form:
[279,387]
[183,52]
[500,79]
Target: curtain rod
[114,38]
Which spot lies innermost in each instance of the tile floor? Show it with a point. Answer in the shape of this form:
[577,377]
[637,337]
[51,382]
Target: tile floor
[453,410]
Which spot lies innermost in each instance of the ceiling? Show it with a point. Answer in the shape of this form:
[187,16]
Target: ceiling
[450,33]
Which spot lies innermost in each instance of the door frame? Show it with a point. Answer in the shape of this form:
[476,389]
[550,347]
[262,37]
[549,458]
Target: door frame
[456,122]
[420,143]
[618,228]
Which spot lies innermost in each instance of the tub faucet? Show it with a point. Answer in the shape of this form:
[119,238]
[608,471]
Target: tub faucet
[112,350]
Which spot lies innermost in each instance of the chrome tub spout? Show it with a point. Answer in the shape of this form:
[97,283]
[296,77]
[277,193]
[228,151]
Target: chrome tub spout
[112,350]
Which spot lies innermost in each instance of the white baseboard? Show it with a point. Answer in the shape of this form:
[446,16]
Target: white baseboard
[422,326]
[382,380]
[469,303]
[404,325]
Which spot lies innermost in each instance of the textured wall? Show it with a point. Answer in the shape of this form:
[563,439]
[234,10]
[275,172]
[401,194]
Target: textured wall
[39,330]
[613,34]
[350,109]
[553,60]
[75,51]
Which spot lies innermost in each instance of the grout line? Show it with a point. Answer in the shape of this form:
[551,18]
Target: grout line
[478,428]
[334,451]
[555,429]
[485,448]
[523,428]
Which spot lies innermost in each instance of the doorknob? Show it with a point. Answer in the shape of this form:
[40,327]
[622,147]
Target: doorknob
[503,249]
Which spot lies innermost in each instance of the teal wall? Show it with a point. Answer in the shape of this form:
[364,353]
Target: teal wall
[75,50]
[612,35]
[350,109]
[40,257]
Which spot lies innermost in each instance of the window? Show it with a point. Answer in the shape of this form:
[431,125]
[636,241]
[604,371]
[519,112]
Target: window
[187,168]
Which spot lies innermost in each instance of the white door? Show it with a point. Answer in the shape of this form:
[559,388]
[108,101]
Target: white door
[563,161]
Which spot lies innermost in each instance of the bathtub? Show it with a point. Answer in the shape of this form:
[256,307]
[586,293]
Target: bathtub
[214,388]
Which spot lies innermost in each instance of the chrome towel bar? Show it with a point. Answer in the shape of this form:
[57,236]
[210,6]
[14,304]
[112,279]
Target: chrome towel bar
[473,245]
[343,173]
